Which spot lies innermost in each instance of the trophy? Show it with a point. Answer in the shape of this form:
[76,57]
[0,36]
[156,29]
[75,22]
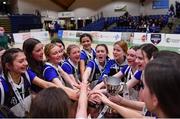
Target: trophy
[114,87]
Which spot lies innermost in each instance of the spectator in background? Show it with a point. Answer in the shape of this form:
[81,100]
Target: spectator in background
[56,27]
[2,50]
[170,23]
[172,9]
[51,29]
[171,17]
[10,39]
[3,38]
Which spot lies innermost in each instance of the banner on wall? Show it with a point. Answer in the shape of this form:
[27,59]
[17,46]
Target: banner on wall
[106,36]
[21,37]
[66,14]
[140,38]
[172,40]
[120,8]
[155,38]
[96,35]
[60,34]
[42,35]
[158,39]
[128,37]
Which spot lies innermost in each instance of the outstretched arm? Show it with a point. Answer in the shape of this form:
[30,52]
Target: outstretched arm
[86,75]
[68,78]
[82,67]
[100,85]
[123,111]
[73,94]
[42,83]
[118,75]
[82,102]
[137,105]
[131,83]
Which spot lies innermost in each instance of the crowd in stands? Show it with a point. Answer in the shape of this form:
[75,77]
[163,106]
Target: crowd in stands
[70,84]
[128,23]
[124,23]
[142,23]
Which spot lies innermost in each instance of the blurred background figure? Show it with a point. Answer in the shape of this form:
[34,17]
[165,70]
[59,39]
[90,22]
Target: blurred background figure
[2,50]
[3,38]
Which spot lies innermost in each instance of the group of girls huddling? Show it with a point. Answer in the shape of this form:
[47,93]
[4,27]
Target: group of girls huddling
[33,87]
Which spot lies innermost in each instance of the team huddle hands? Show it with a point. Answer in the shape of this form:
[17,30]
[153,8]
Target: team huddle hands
[90,78]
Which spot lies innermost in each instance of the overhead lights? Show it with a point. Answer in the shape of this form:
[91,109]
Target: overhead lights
[4,3]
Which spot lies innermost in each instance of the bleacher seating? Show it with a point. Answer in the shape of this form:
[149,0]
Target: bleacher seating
[95,26]
[25,22]
[103,23]
[177,30]
[111,20]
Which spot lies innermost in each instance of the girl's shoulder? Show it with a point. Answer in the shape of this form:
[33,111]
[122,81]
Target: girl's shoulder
[66,63]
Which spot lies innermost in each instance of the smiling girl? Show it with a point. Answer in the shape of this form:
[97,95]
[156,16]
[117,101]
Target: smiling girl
[87,53]
[33,49]
[161,84]
[71,65]
[15,82]
[53,72]
[119,52]
[144,55]
[96,67]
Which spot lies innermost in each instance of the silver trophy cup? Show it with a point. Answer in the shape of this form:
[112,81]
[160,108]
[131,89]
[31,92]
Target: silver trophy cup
[114,85]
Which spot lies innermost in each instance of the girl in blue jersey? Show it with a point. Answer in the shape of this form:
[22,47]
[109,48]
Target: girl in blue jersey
[161,84]
[119,52]
[61,45]
[71,65]
[115,65]
[52,70]
[33,49]
[128,72]
[144,54]
[15,82]
[87,53]
[96,67]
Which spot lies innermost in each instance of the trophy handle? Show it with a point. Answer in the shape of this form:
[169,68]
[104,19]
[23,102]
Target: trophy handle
[105,79]
[122,86]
